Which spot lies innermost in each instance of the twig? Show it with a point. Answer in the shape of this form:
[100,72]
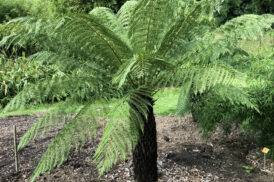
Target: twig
[15,149]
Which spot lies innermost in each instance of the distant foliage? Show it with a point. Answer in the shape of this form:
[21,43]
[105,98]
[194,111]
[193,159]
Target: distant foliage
[21,73]
[19,8]
[233,8]
[85,6]
[10,10]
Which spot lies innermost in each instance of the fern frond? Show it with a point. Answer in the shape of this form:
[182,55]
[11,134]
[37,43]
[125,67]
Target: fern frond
[26,30]
[146,29]
[186,27]
[67,63]
[116,141]
[87,32]
[201,76]
[184,103]
[43,124]
[246,27]
[121,134]
[62,85]
[234,95]
[125,13]
[73,134]
[108,19]
[222,42]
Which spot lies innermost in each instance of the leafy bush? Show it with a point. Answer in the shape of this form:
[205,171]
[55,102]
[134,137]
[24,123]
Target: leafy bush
[212,111]
[233,8]
[18,8]
[21,73]
[11,9]
[85,6]
[17,73]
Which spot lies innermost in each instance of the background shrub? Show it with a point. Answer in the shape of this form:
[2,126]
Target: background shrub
[212,111]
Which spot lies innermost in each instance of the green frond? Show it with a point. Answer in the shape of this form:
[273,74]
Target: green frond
[124,70]
[234,95]
[61,86]
[211,75]
[246,27]
[202,76]
[43,124]
[74,134]
[116,141]
[223,41]
[19,101]
[192,20]
[184,102]
[67,63]
[108,19]
[26,30]
[146,29]
[125,13]
[86,32]
[121,134]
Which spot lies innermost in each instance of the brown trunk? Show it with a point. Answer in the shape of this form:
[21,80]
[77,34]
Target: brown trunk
[145,152]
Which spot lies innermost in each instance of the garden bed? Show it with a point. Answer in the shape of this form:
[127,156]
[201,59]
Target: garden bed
[183,155]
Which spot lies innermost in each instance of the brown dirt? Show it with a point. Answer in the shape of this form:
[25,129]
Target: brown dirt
[183,155]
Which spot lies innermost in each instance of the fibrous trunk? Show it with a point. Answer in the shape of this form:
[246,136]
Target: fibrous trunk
[145,152]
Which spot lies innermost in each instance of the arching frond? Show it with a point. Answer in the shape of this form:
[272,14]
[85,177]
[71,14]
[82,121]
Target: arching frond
[146,29]
[29,30]
[245,27]
[87,32]
[202,77]
[108,19]
[61,86]
[125,13]
[43,124]
[184,103]
[74,134]
[223,40]
[117,139]
[121,134]
[192,20]
[234,95]
[141,67]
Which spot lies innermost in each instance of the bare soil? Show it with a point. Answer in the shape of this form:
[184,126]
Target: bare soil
[183,156]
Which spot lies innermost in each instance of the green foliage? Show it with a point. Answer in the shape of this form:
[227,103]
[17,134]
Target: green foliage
[10,9]
[85,6]
[212,110]
[233,8]
[125,56]
[248,169]
[15,74]
[19,8]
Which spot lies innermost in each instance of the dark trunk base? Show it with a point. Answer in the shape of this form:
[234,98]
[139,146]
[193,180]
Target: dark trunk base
[145,152]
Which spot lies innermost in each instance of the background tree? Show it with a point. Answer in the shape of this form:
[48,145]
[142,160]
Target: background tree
[146,46]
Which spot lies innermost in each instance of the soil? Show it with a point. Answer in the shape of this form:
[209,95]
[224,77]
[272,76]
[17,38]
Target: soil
[183,156]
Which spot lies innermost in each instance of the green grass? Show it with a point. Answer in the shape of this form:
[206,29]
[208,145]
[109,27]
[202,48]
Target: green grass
[30,110]
[166,101]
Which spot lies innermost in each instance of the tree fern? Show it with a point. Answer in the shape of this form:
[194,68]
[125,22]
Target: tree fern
[147,46]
